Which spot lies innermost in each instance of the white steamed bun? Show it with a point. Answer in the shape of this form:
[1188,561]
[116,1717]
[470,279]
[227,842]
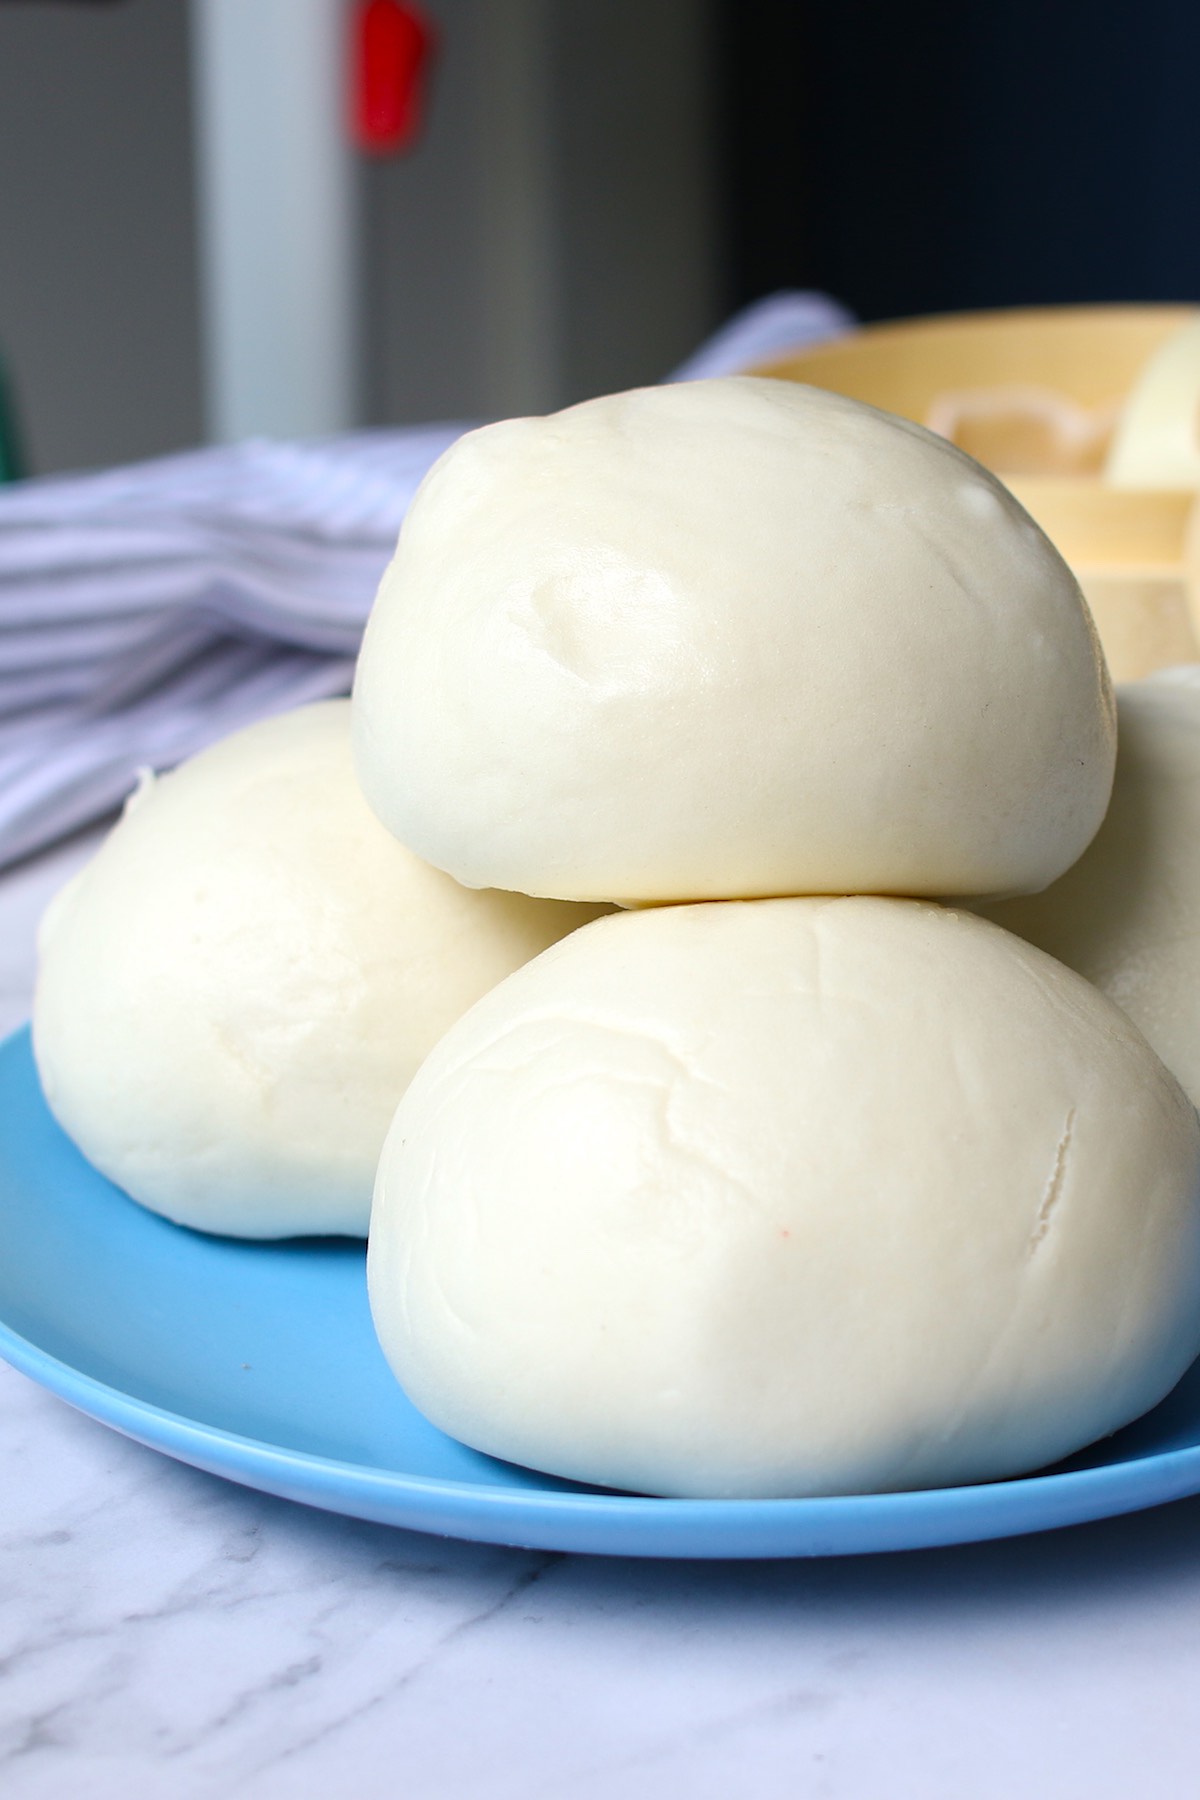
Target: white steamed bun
[234,993]
[789,1197]
[730,638]
[1128,914]
[1156,443]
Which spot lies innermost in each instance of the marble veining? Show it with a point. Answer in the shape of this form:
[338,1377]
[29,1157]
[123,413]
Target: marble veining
[165,1633]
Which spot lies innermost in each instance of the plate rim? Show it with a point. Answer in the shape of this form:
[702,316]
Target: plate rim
[1141,1483]
[599,1522]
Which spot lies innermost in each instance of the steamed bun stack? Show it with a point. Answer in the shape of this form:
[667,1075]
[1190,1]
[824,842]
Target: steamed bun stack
[790,1180]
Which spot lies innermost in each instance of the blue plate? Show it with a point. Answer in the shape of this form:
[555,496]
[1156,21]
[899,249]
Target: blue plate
[258,1362]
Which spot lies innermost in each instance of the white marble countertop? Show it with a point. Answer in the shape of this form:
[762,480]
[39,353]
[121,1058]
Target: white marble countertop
[167,1635]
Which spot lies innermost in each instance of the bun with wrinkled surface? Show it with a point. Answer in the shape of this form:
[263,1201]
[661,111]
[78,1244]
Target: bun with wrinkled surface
[790,1197]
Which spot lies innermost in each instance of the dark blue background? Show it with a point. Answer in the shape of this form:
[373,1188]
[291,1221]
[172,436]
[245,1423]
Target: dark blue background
[918,157]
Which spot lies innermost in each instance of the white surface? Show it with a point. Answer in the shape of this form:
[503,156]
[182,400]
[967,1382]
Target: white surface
[277,200]
[169,1635]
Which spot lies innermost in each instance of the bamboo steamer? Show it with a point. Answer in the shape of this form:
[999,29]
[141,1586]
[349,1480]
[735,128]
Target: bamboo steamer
[1035,394]
[1135,556]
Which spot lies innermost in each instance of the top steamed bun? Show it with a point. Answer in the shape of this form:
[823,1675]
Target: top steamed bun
[726,639]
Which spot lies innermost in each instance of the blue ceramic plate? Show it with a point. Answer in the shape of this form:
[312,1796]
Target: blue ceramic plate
[258,1362]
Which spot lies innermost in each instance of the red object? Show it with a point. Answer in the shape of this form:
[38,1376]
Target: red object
[392,50]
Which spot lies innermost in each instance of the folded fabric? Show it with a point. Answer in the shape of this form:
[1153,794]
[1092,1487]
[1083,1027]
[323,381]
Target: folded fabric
[146,611]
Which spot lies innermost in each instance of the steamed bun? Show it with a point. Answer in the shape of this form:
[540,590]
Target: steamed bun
[234,993]
[1128,914]
[789,1197]
[730,638]
[1156,443]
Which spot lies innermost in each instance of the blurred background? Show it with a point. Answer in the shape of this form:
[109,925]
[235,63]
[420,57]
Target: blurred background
[579,192]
